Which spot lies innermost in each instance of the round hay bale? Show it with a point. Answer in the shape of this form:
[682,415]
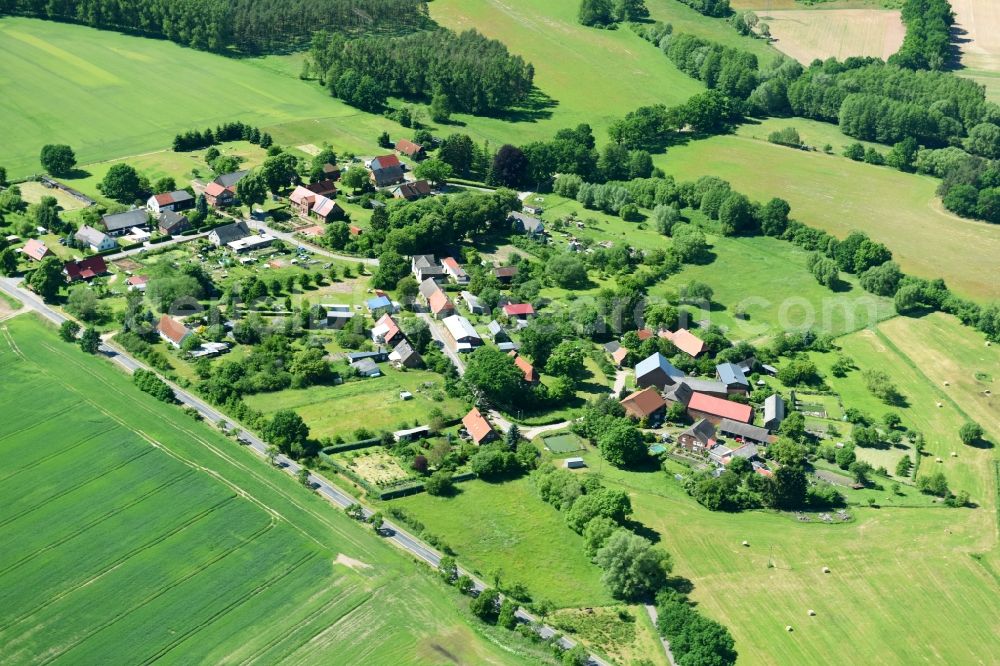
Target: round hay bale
[940,404]
[826,569]
[812,613]
[788,627]
[954,454]
[947,384]
[938,460]
[746,544]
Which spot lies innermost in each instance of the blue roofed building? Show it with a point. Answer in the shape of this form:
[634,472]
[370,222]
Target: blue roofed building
[656,371]
[380,305]
[733,377]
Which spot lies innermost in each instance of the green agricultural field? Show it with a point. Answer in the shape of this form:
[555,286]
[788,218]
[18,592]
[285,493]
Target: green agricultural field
[368,403]
[111,95]
[838,195]
[903,584]
[157,538]
[505,527]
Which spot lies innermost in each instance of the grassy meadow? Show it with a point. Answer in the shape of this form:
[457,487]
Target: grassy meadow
[157,538]
[835,194]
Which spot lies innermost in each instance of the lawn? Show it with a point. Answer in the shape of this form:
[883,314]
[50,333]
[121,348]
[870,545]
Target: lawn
[373,403]
[564,442]
[157,538]
[839,196]
[110,95]
[506,527]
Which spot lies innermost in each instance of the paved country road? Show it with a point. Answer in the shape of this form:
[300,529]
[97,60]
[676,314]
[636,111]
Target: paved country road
[390,531]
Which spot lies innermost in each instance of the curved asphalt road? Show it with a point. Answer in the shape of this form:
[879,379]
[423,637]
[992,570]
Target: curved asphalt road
[392,532]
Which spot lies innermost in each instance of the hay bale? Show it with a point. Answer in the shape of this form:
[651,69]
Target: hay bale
[746,544]
[812,613]
[938,460]
[788,627]
[947,384]
[954,454]
[826,569]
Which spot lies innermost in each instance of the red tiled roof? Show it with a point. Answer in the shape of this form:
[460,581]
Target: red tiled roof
[214,189]
[479,428]
[618,355]
[137,280]
[530,374]
[518,309]
[505,271]
[324,187]
[727,409]
[356,231]
[385,161]
[440,302]
[172,329]
[391,326]
[450,263]
[35,249]
[643,403]
[407,147]
[687,342]
[86,268]
[299,195]
[164,199]
[644,334]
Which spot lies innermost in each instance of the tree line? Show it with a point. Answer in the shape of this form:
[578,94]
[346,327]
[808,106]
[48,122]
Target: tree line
[927,44]
[465,71]
[234,131]
[255,26]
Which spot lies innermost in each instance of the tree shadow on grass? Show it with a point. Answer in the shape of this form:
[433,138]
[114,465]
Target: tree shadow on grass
[981,443]
[538,106]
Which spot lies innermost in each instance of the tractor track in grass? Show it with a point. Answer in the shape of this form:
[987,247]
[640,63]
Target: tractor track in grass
[97,521]
[54,454]
[163,589]
[48,417]
[74,488]
[114,564]
[292,568]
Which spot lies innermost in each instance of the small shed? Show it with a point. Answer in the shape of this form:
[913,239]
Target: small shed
[574,463]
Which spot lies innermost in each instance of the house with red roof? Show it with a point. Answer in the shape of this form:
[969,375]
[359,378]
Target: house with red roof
[644,334]
[519,310]
[412,150]
[85,269]
[386,170]
[478,427]
[307,203]
[35,249]
[644,404]
[172,330]
[137,282]
[411,191]
[455,270]
[686,341]
[176,201]
[440,305]
[530,374]
[386,331]
[219,196]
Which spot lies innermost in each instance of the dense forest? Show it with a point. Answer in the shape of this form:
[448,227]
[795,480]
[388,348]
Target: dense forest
[473,73]
[252,26]
[927,44]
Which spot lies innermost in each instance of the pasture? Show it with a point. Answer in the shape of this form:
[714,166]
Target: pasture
[904,586]
[805,34]
[505,527]
[838,195]
[373,403]
[157,538]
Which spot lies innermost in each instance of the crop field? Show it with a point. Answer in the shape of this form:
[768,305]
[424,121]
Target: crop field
[903,587]
[805,34]
[157,538]
[368,403]
[516,533]
[839,196]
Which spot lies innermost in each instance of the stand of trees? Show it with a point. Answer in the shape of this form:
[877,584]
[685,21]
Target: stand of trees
[235,131]
[218,25]
[927,44]
[472,73]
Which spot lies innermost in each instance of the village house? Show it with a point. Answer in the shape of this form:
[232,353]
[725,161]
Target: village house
[686,341]
[478,428]
[656,371]
[325,188]
[219,196]
[338,315]
[698,438]
[744,432]
[644,334]
[472,302]
[177,200]
[440,305]
[380,305]
[519,310]
[462,333]
[137,282]
[618,353]
[425,266]
[120,223]
[505,273]
[173,331]
[499,336]
[703,406]
[252,242]
[386,170]
[380,355]
[227,233]
[405,356]
[774,411]
[85,269]
[411,191]
[708,386]
[526,224]
[530,374]
[408,148]
[386,331]
[723,455]
[331,171]
[366,367]
[645,404]
[171,223]
[35,249]
[455,270]
[307,203]
[733,377]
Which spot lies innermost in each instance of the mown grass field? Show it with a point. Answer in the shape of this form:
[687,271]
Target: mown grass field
[156,538]
[505,527]
[838,195]
[369,403]
[805,34]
